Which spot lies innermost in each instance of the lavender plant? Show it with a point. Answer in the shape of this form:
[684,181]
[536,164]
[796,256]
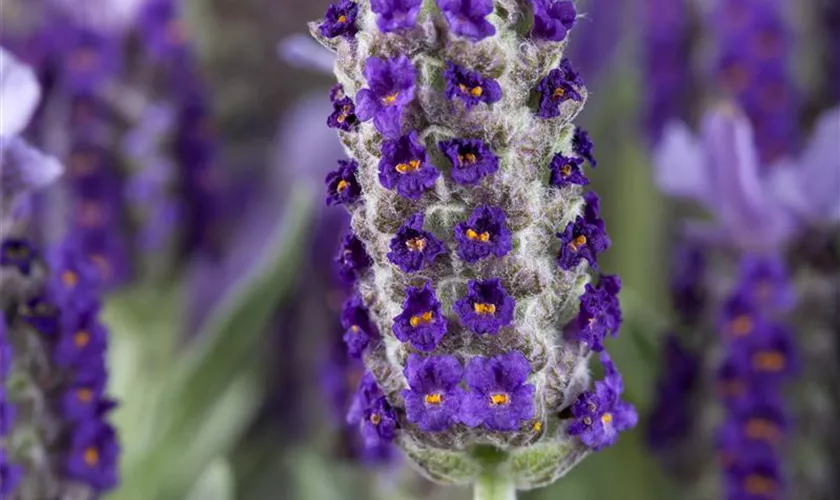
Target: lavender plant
[55,439]
[471,240]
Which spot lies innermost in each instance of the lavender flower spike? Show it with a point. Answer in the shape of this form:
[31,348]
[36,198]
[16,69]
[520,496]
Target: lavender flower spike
[472,221]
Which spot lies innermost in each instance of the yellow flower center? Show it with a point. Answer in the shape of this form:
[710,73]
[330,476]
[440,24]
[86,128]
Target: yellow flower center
[69,278]
[759,485]
[483,237]
[764,430]
[355,329]
[416,244]
[405,168]
[342,185]
[468,158]
[475,91]
[390,99]
[606,418]
[434,398]
[500,398]
[84,395]
[345,112]
[768,361]
[742,326]
[558,93]
[537,427]
[375,418]
[577,243]
[342,19]
[566,170]
[421,319]
[484,309]
[81,339]
[91,456]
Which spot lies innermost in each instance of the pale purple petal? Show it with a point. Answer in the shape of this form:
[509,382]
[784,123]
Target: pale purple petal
[678,164]
[19,93]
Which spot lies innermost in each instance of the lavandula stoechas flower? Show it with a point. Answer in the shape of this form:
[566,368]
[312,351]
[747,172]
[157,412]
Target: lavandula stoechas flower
[51,342]
[478,261]
[666,64]
[765,220]
[754,41]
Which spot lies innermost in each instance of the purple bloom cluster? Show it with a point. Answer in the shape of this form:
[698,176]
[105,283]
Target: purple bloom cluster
[566,171]
[472,159]
[405,167]
[760,357]
[421,321]
[585,238]
[560,85]
[413,248]
[390,90]
[470,87]
[553,19]
[372,413]
[18,253]
[343,116]
[468,18]
[600,313]
[433,399]
[342,186]
[582,146]
[754,44]
[358,327]
[484,234]
[600,415]
[486,308]
[395,15]
[340,20]
[666,63]
[352,259]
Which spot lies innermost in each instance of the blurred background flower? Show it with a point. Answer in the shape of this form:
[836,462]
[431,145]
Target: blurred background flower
[195,143]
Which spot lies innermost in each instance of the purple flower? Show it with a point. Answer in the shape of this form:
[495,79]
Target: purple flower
[486,308]
[10,475]
[25,169]
[394,15]
[757,477]
[688,290]
[601,415]
[769,357]
[352,259]
[405,166]
[600,312]
[433,399]
[421,322]
[585,238]
[89,58]
[18,253]
[340,20]
[559,86]
[391,88]
[467,17]
[565,171]
[470,86]
[766,281]
[358,328]
[582,146]
[83,338]
[342,186]
[161,30]
[93,455]
[74,278]
[498,396]
[484,234]
[740,318]
[412,247]
[380,423]
[343,116]
[553,19]
[471,159]
[758,424]
[42,315]
[672,416]
[80,401]
[366,395]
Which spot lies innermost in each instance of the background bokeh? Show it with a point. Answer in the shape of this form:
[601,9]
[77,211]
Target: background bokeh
[228,362]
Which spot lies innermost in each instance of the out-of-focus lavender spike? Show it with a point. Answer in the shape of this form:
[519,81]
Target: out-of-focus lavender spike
[667,64]
[303,52]
[754,42]
[598,32]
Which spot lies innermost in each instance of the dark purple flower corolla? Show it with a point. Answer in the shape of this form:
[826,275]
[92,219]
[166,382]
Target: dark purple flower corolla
[585,238]
[602,415]
[394,15]
[390,89]
[471,159]
[486,308]
[758,424]
[467,18]
[498,396]
[89,57]
[340,20]
[80,401]
[412,248]
[553,19]
[483,235]
[566,171]
[342,186]
[74,277]
[42,315]
[83,337]
[93,455]
[18,253]
[766,281]
[769,357]
[405,166]
[583,146]
[421,322]
[757,477]
[600,312]
[560,85]
[380,423]
[433,399]
[352,258]
[343,116]
[366,395]
[469,86]
[740,318]
[358,328]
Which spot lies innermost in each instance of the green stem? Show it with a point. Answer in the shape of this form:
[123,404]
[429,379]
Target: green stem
[494,486]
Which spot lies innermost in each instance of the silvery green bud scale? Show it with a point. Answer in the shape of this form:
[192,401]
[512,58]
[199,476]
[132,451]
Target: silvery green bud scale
[472,239]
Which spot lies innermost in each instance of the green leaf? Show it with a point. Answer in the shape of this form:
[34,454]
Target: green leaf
[216,483]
